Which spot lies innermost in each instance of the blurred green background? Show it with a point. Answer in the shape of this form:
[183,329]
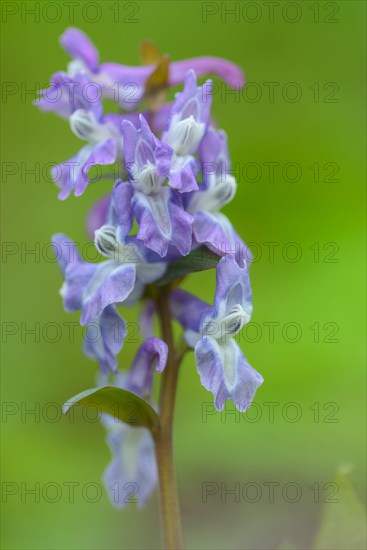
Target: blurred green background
[317,380]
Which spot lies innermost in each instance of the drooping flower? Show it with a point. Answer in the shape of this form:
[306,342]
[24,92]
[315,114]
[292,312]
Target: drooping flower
[132,474]
[211,330]
[109,329]
[95,288]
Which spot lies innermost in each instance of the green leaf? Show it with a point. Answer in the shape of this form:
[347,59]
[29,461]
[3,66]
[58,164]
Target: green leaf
[198,260]
[121,404]
[344,521]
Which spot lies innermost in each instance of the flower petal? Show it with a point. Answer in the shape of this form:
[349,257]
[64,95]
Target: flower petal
[122,196]
[140,377]
[162,221]
[132,473]
[65,250]
[149,273]
[188,310]
[214,155]
[142,149]
[79,46]
[123,84]
[193,100]
[225,372]
[227,71]
[218,234]
[232,287]
[135,295]
[67,94]
[104,339]
[111,283]
[182,174]
[77,277]
[73,174]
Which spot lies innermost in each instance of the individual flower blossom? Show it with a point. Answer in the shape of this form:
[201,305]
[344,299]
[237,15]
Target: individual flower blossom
[95,288]
[126,85]
[210,226]
[189,117]
[133,469]
[186,127]
[211,330]
[109,329]
[104,144]
[157,207]
[68,98]
[67,94]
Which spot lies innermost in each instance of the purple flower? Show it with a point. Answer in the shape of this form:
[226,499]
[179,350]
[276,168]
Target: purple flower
[139,379]
[210,226]
[95,288]
[106,334]
[80,48]
[133,468]
[175,179]
[132,474]
[104,143]
[158,208]
[210,330]
[67,94]
[189,117]
[68,97]
[126,85]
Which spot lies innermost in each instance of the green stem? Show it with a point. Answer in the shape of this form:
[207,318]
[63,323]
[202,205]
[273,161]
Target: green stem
[169,504]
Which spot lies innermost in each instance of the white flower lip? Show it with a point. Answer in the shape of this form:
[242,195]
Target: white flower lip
[105,240]
[185,135]
[234,320]
[148,180]
[85,126]
[219,192]
[224,327]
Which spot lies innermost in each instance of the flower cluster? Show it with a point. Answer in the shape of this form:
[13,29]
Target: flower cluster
[175,177]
